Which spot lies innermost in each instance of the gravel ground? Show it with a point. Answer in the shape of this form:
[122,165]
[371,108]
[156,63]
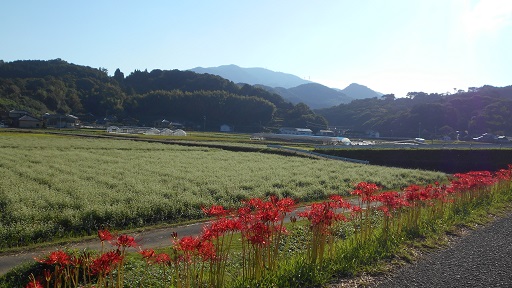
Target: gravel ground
[480,258]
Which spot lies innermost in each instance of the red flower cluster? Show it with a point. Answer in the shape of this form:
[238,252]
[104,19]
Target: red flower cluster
[105,235]
[105,263]
[260,220]
[365,191]
[324,214]
[216,211]
[505,174]
[162,258]
[126,241]
[195,246]
[147,253]
[57,257]
[391,201]
[261,225]
[219,227]
[471,180]
[34,284]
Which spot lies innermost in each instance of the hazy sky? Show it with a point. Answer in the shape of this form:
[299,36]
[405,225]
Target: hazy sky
[391,46]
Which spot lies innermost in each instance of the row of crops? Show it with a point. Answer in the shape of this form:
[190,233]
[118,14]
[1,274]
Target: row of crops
[58,186]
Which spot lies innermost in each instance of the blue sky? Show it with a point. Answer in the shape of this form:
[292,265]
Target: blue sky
[391,46]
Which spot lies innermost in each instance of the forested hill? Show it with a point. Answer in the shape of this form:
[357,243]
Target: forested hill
[143,97]
[479,110]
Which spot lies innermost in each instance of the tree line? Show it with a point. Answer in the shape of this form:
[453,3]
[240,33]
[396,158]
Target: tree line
[143,97]
[207,101]
[469,113]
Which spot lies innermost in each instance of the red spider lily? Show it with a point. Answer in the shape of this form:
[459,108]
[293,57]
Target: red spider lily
[390,200]
[505,174]
[365,191]
[413,194]
[356,209]
[220,227]
[266,211]
[57,257]
[162,258]
[192,246]
[471,180]
[147,253]
[258,234]
[339,202]
[253,203]
[34,284]
[187,244]
[439,192]
[206,250]
[126,241]
[103,264]
[262,210]
[285,205]
[105,235]
[216,211]
[321,213]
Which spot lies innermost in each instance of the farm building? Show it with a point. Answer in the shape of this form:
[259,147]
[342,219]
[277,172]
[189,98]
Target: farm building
[17,113]
[325,133]
[295,131]
[145,131]
[61,121]
[27,121]
[325,140]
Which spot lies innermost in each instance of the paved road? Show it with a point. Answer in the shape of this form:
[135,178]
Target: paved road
[149,239]
[483,258]
[156,238]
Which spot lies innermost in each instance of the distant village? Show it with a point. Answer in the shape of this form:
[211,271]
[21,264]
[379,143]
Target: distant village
[23,119]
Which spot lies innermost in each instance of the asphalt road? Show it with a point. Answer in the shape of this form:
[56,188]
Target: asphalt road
[156,238]
[480,259]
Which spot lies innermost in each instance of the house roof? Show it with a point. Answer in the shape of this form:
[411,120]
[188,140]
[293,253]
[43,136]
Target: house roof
[29,118]
[58,116]
[18,111]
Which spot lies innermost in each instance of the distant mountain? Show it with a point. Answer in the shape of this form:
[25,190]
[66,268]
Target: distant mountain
[314,95]
[292,88]
[358,91]
[253,76]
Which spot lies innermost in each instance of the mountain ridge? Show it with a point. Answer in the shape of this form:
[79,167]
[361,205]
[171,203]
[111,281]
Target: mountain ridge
[254,75]
[291,87]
